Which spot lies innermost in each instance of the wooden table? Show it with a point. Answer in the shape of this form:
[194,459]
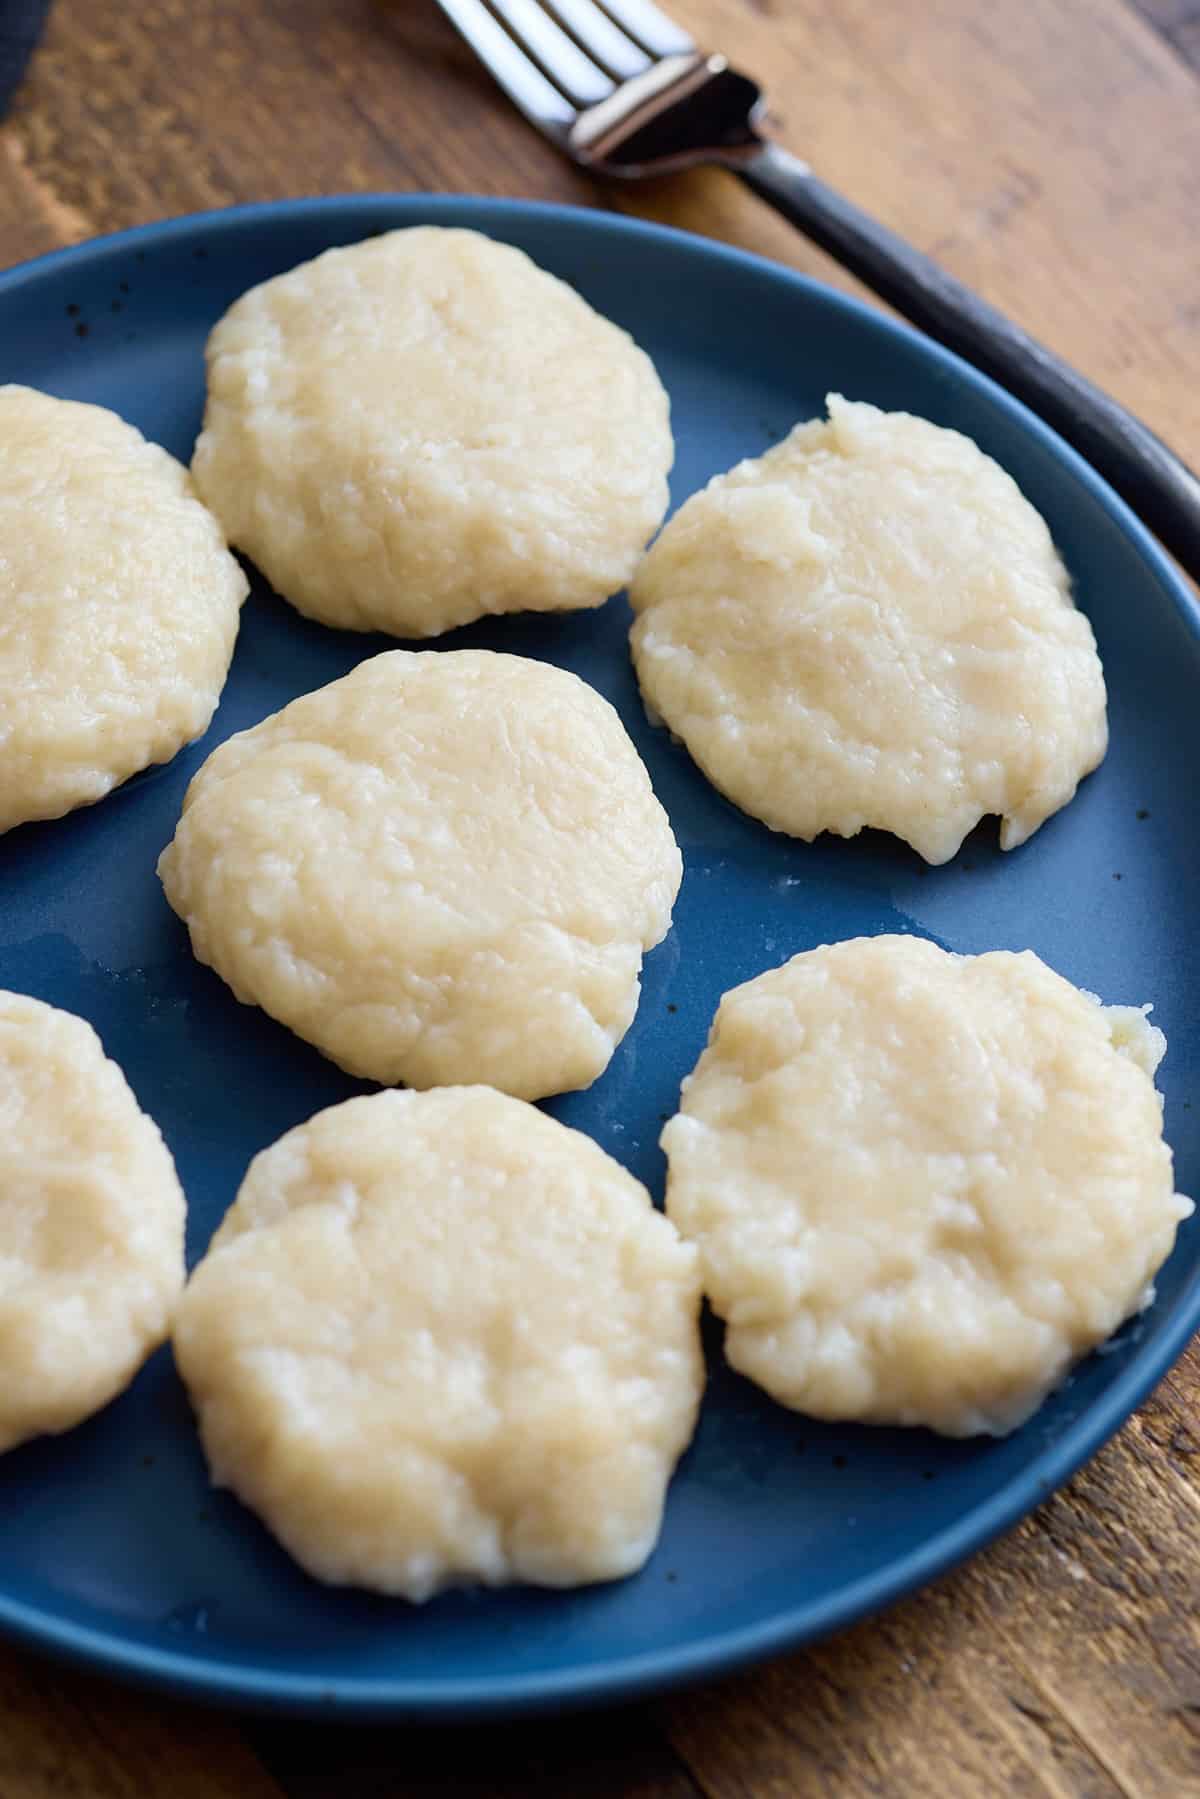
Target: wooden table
[1049,152]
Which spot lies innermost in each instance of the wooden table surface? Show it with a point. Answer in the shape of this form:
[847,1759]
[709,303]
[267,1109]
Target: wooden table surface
[1048,151]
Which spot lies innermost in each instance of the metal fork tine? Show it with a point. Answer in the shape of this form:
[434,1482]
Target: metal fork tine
[657,34]
[520,78]
[601,38]
[559,55]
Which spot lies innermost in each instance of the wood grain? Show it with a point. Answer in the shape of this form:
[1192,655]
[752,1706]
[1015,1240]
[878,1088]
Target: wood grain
[1028,146]
[1066,1661]
[75,1737]
[1050,155]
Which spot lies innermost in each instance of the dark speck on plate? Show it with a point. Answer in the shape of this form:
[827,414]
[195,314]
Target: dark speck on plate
[1116,875]
[839,1461]
[72,311]
[123,286]
[671,1006]
[1142,812]
[81,329]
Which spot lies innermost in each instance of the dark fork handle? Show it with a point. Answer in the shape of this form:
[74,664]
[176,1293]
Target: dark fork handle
[21,23]
[1161,489]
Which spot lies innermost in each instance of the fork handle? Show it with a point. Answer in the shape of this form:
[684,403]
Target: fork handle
[1161,489]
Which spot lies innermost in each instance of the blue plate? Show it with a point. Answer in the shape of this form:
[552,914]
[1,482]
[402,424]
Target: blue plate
[113,1549]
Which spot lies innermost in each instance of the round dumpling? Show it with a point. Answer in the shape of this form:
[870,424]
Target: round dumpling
[119,605]
[440,1338]
[441,869]
[922,1184]
[870,625]
[426,428]
[91,1224]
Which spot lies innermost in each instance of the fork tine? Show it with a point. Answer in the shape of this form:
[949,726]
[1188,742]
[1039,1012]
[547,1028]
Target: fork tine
[559,55]
[601,38]
[657,35]
[520,78]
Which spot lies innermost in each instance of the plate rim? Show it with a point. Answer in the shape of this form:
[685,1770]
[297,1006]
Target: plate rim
[272,1690]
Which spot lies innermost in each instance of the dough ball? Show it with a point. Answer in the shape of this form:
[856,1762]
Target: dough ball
[869,625]
[91,1224]
[426,428]
[442,868]
[440,1338]
[118,605]
[922,1184]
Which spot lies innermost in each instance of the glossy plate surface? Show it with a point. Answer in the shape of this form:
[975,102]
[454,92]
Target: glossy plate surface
[112,1547]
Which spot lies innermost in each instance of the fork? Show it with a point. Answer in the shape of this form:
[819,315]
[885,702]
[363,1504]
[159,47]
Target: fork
[624,92]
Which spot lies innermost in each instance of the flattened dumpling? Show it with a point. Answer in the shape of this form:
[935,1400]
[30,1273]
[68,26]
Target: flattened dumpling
[440,1338]
[427,428]
[442,869]
[922,1184]
[870,625]
[91,1224]
[119,605]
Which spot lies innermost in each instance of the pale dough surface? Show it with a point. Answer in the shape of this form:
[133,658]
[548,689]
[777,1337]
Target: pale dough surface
[91,1223]
[440,1338]
[922,1184]
[119,605]
[426,428]
[870,625]
[443,868]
